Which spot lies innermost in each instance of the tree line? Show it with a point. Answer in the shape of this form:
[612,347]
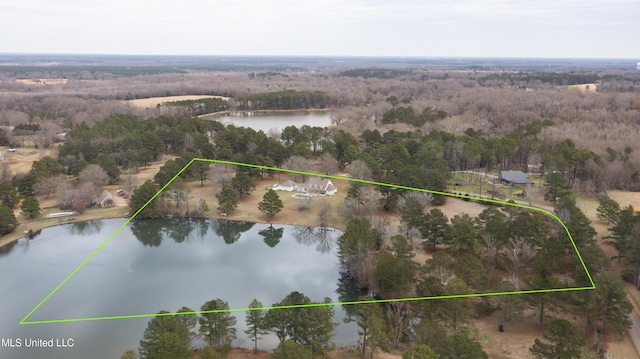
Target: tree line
[305,329]
[283,100]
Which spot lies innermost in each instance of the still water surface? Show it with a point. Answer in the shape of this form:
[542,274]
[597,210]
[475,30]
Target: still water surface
[155,265]
[266,121]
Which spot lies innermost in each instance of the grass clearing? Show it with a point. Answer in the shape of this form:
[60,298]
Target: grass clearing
[152,102]
[42,82]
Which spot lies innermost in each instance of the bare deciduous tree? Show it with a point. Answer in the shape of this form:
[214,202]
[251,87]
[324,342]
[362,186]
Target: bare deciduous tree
[359,169]
[49,185]
[298,163]
[324,213]
[94,174]
[222,174]
[519,252]
[5,172]
[327,164]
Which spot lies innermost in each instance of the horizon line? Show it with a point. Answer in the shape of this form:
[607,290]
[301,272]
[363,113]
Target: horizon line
[348,56]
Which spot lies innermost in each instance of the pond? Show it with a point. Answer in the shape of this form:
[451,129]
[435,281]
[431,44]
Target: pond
[266,121]
[154,265]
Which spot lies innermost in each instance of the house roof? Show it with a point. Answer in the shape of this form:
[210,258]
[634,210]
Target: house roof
[515,177]
[318,181]
[289,183]
[104,195]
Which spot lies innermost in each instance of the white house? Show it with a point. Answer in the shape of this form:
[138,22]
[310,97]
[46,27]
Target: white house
[288,186]
[319,185]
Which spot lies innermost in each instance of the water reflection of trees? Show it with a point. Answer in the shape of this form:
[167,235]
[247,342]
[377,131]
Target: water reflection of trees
[319,236]
[348,291]
[148,231]
[86,228]
[230,231]
[180,229]
[6,249]
[151,232]
[271,235]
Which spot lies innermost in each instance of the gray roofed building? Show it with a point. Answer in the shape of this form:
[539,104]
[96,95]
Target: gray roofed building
[319,185]
[515,178]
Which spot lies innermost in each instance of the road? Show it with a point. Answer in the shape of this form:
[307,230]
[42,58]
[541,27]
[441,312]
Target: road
[634,331]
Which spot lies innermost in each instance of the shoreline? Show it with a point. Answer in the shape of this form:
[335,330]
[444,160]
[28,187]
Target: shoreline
[43,223]
[15,236]
[228,112]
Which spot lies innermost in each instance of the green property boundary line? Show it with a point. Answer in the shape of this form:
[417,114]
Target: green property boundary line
[148,315]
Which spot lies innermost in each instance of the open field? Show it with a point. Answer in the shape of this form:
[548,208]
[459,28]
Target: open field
[42,82]
[21,160]
[625,198]
[155,101]
[593,87]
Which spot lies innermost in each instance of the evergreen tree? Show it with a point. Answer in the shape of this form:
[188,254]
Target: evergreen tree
[8,220]
[271,204]
[289,349]
[354,246]
[461,346]
[564,342]
[255,323]
[217,328]
[8,194]
[625,237]
[228,199]
[30,208]
[435,226]
[608,210]
[139,200]
[370,321]
[611,301]
[243,183]
[165,337]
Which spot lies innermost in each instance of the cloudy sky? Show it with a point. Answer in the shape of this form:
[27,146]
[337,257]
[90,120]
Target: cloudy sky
[486,28]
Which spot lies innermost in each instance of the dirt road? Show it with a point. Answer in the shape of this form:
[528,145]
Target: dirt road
[634,331]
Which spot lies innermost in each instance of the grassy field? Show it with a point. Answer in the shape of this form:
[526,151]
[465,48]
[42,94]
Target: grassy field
[152,102]
[42,82]
[593,87]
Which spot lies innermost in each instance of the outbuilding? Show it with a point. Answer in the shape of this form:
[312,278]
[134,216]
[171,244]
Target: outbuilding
[515,178]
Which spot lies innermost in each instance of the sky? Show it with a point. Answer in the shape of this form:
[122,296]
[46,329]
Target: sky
[421,28]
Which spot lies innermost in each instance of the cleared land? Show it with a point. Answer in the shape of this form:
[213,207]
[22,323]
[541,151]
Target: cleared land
[42,82]
[592,87]
[152,102]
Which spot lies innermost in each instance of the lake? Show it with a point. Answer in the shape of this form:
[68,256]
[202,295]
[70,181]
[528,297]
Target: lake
[266,121]
[154,265]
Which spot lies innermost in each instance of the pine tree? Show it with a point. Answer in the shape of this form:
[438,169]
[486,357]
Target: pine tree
[255,323]
[217,328]
[8,220]
[271,204]
[30,208]
[228,199]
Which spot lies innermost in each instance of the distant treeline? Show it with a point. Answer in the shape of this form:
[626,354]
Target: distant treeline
[202,106]
[283,100]
[554,78]
[408,115]
[375,73]
[71,71]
